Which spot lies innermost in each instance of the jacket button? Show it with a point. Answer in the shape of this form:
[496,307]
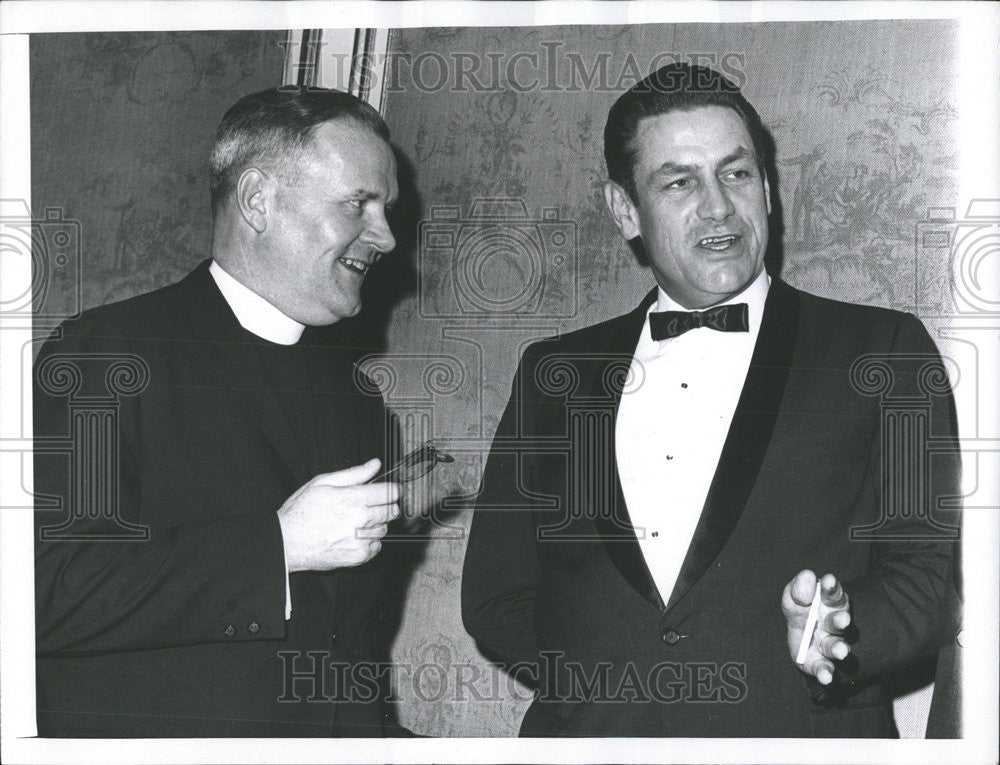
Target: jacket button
[253,628]
[334,638]
[230,631]
[670,637]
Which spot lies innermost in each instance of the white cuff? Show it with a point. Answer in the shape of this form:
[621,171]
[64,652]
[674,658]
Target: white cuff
[288,596]
[288,589]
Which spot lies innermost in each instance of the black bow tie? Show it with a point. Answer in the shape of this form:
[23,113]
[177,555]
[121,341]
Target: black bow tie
[725,318]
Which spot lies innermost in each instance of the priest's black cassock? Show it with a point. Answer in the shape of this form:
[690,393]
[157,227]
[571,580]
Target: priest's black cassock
[160,579]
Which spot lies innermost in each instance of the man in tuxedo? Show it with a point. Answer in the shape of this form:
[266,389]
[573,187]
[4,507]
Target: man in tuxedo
[207,555]
[664,488]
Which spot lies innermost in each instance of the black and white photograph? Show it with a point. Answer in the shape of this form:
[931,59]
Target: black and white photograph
[499,382]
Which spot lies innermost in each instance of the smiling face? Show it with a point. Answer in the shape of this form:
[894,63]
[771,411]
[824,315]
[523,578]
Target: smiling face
[702,204]
[326,223]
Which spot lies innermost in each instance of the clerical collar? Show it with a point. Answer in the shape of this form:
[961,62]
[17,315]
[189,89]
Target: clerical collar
[253,312]
[753,295]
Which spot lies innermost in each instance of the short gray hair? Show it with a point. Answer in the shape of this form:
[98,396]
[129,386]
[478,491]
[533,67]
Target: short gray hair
[269,128]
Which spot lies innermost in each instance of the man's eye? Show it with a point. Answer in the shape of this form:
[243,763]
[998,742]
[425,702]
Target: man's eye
[738,174]
[680,183]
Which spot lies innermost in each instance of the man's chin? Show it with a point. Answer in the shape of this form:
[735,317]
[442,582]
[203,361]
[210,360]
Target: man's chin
[714,294]
[733,281]
[346,312]
[330,316]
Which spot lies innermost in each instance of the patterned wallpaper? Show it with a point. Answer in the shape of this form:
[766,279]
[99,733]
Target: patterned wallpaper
[503,236]
[122,125]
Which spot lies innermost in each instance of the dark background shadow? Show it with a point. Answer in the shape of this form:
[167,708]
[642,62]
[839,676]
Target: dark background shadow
[395,276]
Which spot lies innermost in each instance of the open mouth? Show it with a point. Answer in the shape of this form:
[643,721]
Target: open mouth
[357,265]
[719,243]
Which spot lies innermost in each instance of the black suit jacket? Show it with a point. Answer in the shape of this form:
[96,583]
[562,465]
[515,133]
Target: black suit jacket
[555,585]
[165,616]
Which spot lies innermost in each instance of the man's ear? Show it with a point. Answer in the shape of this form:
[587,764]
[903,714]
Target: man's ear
[622,210]
[251,198]
[767,194]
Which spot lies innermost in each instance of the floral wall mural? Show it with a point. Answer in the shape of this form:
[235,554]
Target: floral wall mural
[122,125]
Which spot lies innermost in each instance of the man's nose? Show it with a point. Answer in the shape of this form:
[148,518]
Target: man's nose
[379,235]
[715,203]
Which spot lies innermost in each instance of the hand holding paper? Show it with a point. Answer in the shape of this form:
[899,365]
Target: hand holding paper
[817,613]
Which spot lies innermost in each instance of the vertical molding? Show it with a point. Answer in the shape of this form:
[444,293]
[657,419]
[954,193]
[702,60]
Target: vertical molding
[369,65]
[352,60]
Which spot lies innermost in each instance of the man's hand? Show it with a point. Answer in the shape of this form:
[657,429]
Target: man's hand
[834,617]
[337,520]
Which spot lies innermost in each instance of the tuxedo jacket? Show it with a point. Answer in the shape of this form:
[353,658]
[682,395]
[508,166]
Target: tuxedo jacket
[826,466]
[167,437]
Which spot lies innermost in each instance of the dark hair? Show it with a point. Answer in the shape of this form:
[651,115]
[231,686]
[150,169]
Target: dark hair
[270,127]
[674,87]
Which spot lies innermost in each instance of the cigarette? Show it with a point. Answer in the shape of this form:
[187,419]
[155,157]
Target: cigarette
[807,634]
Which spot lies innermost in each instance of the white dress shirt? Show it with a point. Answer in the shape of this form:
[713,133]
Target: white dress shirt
[672,425]
[261,318]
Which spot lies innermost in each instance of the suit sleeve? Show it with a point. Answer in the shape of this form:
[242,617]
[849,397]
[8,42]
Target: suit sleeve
[501,570]
[99,587]
[901,609]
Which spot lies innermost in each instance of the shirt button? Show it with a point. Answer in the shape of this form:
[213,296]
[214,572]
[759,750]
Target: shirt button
[253,628]
[670,637]
[230,631]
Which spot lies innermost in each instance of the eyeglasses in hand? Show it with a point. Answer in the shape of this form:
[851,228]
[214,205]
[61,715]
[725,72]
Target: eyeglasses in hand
[414,465]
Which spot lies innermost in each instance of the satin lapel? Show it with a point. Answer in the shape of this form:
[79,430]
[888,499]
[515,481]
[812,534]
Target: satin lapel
[615,528]
[748,437]
[227,349]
